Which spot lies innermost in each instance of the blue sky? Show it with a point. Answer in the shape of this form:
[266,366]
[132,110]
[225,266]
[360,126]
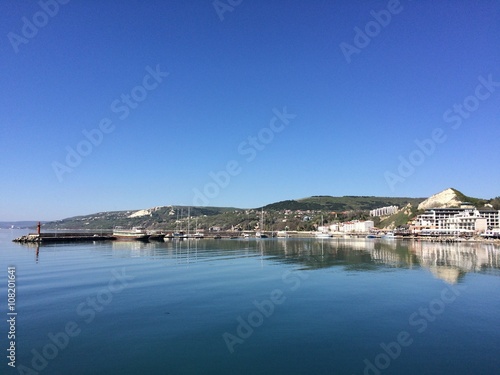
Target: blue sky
[244,105]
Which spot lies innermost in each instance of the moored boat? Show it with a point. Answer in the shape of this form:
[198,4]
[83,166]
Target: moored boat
[156,236]
[180,235]
[323,235]
[282,234]
[388,236]
[323,231]
[134,234]
[260,233]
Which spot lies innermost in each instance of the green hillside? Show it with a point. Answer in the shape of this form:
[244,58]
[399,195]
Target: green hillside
[478,202]
[300,214]
[340,204]
[398,219]
[166,217]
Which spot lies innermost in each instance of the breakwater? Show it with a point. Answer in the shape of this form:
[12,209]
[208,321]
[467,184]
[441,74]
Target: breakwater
[63,237]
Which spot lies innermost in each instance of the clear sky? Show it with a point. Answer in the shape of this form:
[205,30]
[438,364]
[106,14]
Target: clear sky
[108,105]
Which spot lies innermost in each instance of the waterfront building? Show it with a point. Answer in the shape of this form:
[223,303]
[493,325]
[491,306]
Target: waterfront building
[363,226]
[348,227]
[455,221]
[467,221]
[335,227]
[355,226]
[492,218]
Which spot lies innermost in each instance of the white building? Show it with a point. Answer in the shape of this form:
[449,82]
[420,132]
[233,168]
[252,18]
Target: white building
[353,227]
[384,211]
[492,218]
[468,221]
[335,227]
[456,221]
[363,226]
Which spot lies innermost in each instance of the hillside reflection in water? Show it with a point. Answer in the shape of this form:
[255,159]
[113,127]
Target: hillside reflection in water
[448,261]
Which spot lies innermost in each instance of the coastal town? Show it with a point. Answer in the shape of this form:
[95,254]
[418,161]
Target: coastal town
[441,217]
[465,221]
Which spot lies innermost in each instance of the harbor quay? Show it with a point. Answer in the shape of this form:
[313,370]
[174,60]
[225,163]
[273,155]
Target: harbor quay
[75,236]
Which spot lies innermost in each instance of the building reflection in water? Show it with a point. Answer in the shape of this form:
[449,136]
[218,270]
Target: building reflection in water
[447,261]
[450,261]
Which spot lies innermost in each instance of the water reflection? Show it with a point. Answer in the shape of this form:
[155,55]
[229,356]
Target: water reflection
[450,262]
[447,261]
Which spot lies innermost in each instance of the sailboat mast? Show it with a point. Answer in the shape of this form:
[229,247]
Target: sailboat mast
[262,221]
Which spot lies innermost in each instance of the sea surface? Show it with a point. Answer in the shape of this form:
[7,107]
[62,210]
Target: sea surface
[270,306]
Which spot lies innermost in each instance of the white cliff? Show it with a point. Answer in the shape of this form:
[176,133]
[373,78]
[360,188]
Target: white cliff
[444,199]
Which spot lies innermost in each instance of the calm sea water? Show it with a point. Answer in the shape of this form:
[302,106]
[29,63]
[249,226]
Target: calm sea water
[253,307]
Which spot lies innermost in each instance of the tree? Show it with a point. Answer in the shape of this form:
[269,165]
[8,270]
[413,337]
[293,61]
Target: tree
[495,202]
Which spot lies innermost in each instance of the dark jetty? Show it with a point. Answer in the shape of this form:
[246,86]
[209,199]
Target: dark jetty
[63,237]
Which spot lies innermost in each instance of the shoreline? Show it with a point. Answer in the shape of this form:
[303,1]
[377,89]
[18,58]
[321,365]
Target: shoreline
[63,236]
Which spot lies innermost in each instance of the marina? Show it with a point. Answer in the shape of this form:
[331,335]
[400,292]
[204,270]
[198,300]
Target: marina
[240,187]
[99,236]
